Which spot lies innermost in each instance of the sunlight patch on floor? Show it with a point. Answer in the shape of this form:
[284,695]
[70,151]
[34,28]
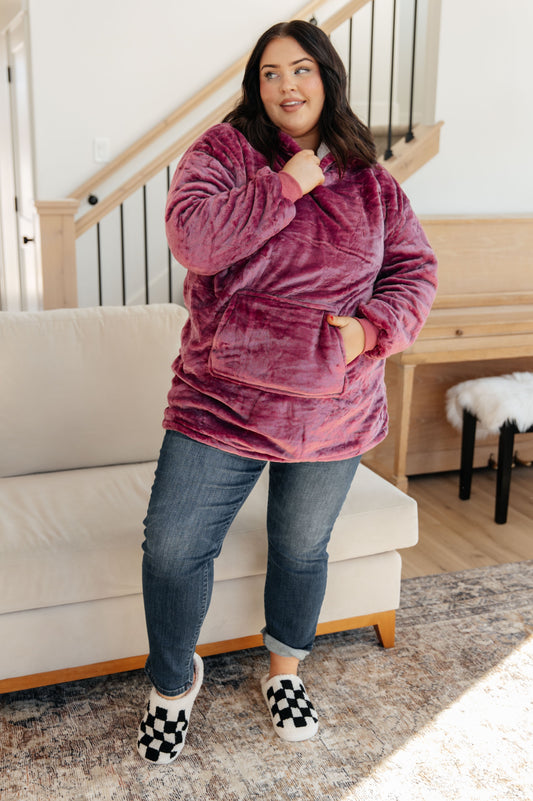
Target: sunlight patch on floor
[479,749]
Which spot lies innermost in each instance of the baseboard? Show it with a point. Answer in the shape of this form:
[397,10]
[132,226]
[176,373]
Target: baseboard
[383,622]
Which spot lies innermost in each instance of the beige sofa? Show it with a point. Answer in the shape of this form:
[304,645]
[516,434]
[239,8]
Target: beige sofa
[81,402]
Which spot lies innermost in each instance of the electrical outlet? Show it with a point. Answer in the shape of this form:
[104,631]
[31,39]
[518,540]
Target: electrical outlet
[102,149]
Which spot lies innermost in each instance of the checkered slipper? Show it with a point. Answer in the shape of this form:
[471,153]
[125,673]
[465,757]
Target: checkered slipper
[164,726]
[293,715]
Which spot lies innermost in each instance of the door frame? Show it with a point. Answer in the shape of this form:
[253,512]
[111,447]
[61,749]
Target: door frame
[14,293]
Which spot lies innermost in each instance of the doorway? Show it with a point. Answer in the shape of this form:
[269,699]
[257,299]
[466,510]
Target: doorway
[20,281]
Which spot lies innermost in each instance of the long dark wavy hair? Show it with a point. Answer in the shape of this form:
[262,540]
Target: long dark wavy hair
[340,129]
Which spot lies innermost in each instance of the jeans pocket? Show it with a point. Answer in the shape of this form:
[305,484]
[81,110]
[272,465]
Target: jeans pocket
[279,345]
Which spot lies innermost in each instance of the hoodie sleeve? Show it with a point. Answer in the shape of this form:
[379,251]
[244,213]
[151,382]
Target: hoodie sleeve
[407,281]
[223,205]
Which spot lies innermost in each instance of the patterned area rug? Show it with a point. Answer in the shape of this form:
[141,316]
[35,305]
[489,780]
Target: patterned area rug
[446,715]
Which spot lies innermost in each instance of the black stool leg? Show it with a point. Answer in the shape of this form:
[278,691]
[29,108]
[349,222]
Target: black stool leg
[503,479]
[467,454]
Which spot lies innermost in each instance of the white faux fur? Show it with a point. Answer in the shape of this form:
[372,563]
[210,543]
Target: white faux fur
[492,400]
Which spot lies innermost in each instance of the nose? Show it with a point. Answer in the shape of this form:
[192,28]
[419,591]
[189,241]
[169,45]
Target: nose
[287,83]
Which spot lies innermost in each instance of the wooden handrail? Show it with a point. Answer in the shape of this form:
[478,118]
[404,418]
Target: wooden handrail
[180,113]
[342,15]
[140,178]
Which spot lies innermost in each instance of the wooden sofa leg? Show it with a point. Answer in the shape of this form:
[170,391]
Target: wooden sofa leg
[385,628]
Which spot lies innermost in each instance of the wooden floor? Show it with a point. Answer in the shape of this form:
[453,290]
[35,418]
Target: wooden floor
[458,535]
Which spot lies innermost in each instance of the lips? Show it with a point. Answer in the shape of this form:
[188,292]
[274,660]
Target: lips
[288,105]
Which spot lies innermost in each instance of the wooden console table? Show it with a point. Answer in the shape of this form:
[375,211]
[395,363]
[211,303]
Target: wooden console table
[481,324]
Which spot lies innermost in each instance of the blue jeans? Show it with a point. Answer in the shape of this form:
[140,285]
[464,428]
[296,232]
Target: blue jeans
[197,493]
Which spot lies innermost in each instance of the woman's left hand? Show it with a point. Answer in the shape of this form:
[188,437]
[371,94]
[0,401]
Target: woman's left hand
[352,333]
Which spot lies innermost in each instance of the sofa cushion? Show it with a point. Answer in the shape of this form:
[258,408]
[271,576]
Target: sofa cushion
[84,387]
[76,535]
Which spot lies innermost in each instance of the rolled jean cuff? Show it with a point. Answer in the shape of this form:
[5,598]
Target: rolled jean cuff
[280,648]
[165,691]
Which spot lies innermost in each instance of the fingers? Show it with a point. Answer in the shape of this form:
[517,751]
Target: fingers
[338,322]
[352,334]
[311,155]
[304,166]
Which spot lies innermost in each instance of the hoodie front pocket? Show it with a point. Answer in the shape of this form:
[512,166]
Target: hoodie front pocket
[279,345]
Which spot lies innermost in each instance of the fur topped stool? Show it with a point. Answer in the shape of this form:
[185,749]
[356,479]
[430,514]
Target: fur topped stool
[497,404]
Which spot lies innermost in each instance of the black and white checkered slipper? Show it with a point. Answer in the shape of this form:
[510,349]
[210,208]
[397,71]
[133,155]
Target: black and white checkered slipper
[293,715]
[164,726]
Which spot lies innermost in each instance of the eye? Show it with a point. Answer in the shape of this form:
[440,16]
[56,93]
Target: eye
[269,75]
[301,70]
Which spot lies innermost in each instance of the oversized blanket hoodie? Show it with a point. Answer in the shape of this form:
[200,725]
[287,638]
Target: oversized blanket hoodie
[261,373]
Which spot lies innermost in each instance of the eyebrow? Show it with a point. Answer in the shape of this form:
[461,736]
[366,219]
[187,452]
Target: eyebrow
[292,64]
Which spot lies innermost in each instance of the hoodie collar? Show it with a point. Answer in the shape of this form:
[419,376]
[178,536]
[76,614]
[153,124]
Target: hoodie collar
[289,147]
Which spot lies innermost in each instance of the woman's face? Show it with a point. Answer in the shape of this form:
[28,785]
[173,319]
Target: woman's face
[291,90]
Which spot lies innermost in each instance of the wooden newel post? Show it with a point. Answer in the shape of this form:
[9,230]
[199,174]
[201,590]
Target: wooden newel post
[58,252]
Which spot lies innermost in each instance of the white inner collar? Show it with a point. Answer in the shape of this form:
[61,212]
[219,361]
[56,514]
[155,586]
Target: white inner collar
[322,151]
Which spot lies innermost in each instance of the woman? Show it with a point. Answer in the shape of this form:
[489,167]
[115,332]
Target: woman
[306,269]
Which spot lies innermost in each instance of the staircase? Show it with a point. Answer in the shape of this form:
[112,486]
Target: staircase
[105,244]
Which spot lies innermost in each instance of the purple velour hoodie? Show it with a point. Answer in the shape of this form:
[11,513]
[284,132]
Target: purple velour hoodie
[260,372]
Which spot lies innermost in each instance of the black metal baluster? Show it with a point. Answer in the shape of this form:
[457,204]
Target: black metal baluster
[145,222]
[99,255]
[410,135]
[371,64]
[168,249]
[388,152]
[122,253]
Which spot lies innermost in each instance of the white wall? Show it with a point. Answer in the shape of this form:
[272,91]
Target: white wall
[485,165]
[114,69]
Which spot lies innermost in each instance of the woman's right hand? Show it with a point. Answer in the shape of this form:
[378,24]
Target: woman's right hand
[305,168]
